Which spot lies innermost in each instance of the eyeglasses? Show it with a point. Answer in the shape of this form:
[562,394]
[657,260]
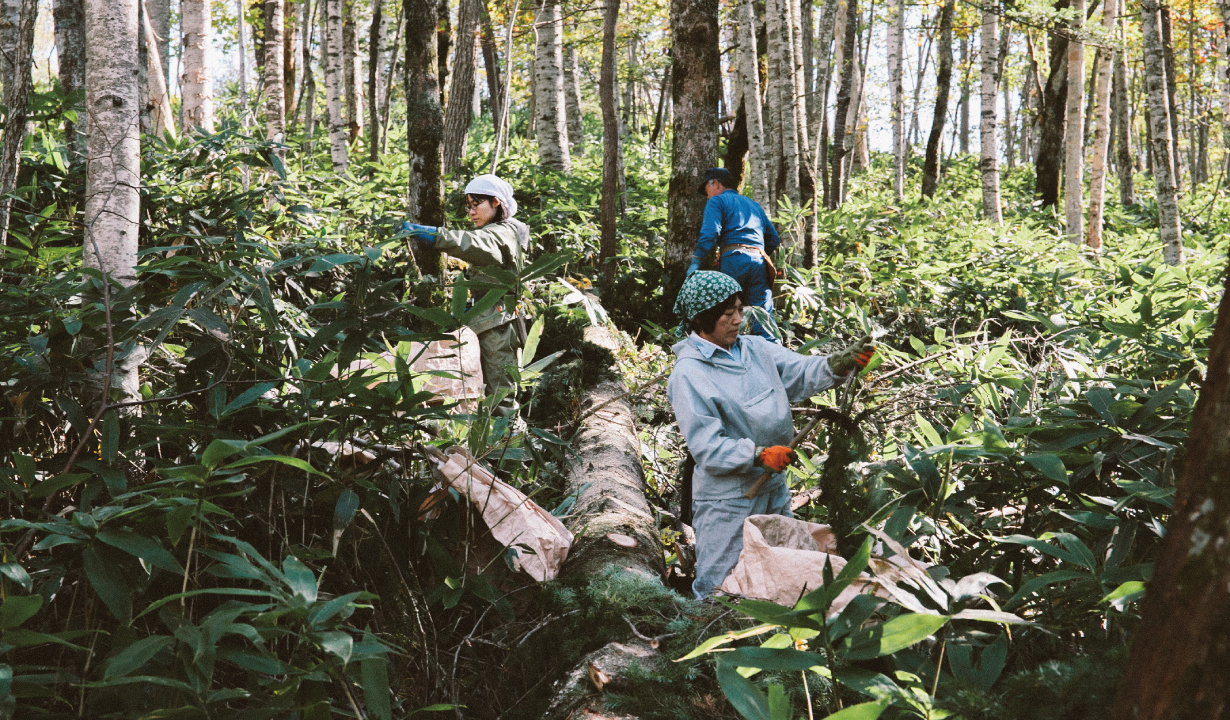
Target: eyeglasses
[474,205]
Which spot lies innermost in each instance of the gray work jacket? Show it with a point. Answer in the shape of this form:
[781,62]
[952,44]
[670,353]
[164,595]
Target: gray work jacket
[501,243]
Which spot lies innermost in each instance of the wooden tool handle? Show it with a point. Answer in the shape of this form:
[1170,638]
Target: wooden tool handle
[802,435]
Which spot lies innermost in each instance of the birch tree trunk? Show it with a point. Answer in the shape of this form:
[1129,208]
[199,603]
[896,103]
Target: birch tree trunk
[69,18]
[458,114]
[17,101]
[444,40]
[307,96]
[162,120]
[335,80]
[896,45]
[1123,120]
[805,179]
[1159,121]
[197,83]
[424,120]
[572,101]
[274,75]
[1172,93]
[1074,146]
[1053,103]
[824,69]
[695,85]
[375,68]
[963,105]
[931,164]
[749,84]
[841,143]
[780,76]
[290,29]
[551,122]
[1224,74]
[352,71]
[1101,132]
[159,12]
[989,160]
[10,31]
[611,149]
[491,64]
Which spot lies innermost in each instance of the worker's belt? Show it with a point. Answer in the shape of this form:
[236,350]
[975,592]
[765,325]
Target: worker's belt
[739,246]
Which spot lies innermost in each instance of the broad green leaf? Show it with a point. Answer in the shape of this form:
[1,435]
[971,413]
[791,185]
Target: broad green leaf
[15,572]
[1130,591]
[247,397]
[1049,465]
[112,588]
[887,638]
[285,460]
[345,509]
[719,640]
[779,703]
[862,711]
[337,642]
[178,521]
[220,450]
[300,578]
[53,485]
[135,656]
[143,547]
[375,674]
[772,658]
[742,694]
[17,609]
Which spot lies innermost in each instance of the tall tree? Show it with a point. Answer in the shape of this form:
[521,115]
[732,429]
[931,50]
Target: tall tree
[695,86]
[781,95]
[69,18]
[197,83]
[159,12]
[375,68]
[965,64]
[749,86]
[17,100]
[491,64]
[1101,133]
[896,91]
[1074,145]
[1177,667]
[1053,105]
[551,122]
[612,163]
[335,82]
[572,100]
[842,144]
[275,98]
[1172,91]
[424,120]
[1123,124]
[989,157]
[931,163]
[458,114]
[352,71]
[307,96]
[10,29]
[162,121]
[824,44]
[1159,121]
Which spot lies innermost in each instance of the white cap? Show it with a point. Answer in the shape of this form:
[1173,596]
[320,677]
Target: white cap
[497,188]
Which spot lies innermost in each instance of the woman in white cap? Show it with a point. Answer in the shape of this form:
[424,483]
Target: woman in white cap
[497,239]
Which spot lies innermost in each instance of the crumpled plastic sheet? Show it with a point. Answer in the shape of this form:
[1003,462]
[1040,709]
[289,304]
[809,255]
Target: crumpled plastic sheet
[539,541]
[783,558]
[449,368]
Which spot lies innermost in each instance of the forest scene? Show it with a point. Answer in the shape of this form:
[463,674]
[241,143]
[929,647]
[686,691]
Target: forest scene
[360,359]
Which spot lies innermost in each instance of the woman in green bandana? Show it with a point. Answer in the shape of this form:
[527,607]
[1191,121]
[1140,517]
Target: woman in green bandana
[731,396]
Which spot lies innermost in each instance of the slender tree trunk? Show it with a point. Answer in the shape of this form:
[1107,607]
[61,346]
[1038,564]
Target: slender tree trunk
[352,71]
[1223,44]
[491,63]
[1127,163]
[663,98]
[307,96]
[551,122]
[989,160]
[159,12]
[824,69]
[70,48]
[458,114]
[1177,667]
[749,84]
[924,60]
[695,78]
[240,24]
[198,103]
[931,164]
[611,149]
[806,178]
[781,76]
[1074,146]
[1005,44]
[1052,119]
[1159,121]
[10,30]
[394,64]
[896,91]
[1172,94]
[17,100]
[842,144]
[444,44]
[290,29]
[274,75]
[572,101]
[335,85]
[1101,133]
[162,121]
[966,64]
[424,121]
[375,66]
[502,128]
[808,57]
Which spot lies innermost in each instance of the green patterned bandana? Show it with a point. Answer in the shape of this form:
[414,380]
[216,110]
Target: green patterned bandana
[704,290]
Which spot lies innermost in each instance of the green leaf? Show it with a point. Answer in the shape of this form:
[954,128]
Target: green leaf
[375,675]
[247,397]
[135,656]
[109,583]
[300,578]
[772,658]
[1130,591]
[719,640]
[17,609]
[325,612]
[887,638]
[531,341]
[55,484]
[345,509]
[1136,331]
[779,703]
[178,521]
[143,547]
[742,694]
[337,642]
[285,460]
[862,711]
[220,450]
[1049,465]
[17,574]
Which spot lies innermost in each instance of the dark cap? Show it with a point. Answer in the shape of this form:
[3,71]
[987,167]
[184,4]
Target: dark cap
[720,174]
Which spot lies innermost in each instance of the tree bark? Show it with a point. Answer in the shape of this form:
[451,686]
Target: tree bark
[1123,119]
[424,121]
[1172,94]
[352,71]
[749,86]
[824,44]
[491,63]
[1074,145]
[989,160]
[69,18]
[695,78]
[550,119]
[841,144]
[10,31]
[1177,667]
[159,12]
[459,113]
[896,91]
[781,62]
[963,107]
[335,85]
[290,29]
[307,96]
[572,101]
[931,164]
[611,149]
[444,44]
[1051,119]
[274,75]
[162,121]
[394,63]
[17,101]
[1159,122]
[197,87]
[1101,133]
[375,67]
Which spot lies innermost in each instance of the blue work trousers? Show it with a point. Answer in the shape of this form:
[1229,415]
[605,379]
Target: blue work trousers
[719,532]
[748,268]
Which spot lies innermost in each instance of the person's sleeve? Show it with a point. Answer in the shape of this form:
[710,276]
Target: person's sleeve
[771,239]
[485,246]
[701,426]
[710,227]
[802,375]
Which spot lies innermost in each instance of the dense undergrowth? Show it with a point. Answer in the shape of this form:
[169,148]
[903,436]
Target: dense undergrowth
[248,542]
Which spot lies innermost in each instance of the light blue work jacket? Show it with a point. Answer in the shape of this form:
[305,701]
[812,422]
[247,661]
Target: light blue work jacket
[727,408]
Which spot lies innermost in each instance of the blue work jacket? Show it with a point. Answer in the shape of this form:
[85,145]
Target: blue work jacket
[726,408]
[731,218]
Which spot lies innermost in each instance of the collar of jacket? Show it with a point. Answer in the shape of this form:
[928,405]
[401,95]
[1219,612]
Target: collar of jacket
[686,348]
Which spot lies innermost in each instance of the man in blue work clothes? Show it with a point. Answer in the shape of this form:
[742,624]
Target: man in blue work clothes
[745,238]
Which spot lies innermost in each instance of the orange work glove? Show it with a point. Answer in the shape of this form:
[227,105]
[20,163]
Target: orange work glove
[778,457]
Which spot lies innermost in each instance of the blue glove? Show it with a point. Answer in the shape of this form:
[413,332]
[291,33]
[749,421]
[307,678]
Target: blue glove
[693,267]
[423,233]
